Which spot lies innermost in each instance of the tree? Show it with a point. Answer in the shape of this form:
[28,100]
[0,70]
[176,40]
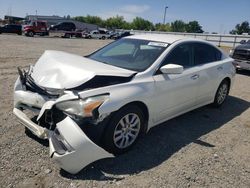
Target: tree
[178,26]
[90,19]
[127,25]
[80,18]
[241,28]
[117,22]
[163,27]
[141,24]
[68,17]
[193,27]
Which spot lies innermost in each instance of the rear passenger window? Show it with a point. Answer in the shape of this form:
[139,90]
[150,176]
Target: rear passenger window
[181,55]
[204,53]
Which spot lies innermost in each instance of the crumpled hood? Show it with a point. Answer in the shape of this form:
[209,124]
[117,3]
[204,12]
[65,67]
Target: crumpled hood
[61,70]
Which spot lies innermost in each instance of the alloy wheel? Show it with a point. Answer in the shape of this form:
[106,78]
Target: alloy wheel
[127,130]
[222,93]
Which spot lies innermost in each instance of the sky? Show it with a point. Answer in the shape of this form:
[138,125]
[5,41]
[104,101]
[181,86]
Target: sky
[213,15]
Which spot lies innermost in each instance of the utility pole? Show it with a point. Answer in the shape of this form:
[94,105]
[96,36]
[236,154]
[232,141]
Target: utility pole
[165,10]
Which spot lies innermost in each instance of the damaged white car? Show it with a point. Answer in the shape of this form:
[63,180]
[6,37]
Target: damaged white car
[95,106]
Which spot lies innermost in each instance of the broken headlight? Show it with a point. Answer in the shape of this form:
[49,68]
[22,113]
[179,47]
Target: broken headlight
[82,107]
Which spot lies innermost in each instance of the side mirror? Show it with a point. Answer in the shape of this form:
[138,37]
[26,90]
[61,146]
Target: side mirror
[242,41]
[171,69]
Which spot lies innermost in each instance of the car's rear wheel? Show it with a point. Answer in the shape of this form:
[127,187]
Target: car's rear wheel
[123,129]
[221,94]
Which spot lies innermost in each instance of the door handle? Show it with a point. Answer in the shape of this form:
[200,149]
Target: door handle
[194,77]
[219,68]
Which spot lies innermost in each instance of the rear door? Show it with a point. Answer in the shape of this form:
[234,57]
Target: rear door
[208,61]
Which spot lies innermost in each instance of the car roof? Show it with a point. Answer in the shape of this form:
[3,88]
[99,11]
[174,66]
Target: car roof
[158,37]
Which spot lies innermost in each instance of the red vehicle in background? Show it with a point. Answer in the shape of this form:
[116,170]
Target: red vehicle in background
[36,28]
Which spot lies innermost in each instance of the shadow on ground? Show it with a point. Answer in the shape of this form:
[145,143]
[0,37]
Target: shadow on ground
[164,140]
[243,72]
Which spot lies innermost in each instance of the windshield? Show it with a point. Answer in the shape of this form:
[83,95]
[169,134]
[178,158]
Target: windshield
[132,54]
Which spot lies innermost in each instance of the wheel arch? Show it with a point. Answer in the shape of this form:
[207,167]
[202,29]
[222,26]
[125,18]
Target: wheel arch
[143,107]
[227,79]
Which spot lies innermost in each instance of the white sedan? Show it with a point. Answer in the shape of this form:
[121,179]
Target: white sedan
[95,106]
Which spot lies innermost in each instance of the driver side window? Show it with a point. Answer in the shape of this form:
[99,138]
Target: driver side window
[180,55]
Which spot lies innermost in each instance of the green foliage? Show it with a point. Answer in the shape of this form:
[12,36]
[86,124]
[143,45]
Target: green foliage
[142,24]
[138,23]
[193,27]
[178,26]
[163,27]
[90,19]
[241,28]
[117,22]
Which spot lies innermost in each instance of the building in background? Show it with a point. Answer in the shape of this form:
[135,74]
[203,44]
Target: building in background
[11,20]
[53,20]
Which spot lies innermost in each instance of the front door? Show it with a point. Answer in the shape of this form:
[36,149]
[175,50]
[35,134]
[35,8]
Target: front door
[176,93]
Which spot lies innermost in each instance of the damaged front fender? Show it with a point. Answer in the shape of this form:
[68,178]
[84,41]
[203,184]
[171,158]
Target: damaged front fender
[72,149]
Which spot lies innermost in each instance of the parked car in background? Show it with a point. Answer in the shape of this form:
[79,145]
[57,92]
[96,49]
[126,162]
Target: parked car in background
[121,35]
[241,54]
[63,26]
[95,106]
[11,28]
[65,30]
[111,34]
[36,28]
[98,34]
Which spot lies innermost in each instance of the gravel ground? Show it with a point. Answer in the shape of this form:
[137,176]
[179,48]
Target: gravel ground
[204,148]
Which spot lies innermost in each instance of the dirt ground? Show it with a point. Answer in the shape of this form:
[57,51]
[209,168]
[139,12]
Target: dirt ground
[204,148]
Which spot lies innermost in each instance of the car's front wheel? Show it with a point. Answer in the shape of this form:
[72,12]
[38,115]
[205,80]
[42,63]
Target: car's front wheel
[123,129]
[31,34]
[221,94]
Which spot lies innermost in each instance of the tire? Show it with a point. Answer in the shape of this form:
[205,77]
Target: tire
[19,33]
[67,35]
[103,37]
[30,34]
[221,93]
[123,129]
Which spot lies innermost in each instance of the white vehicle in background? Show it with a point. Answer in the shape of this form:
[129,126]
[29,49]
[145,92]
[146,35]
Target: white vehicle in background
[95,106]
[99,34]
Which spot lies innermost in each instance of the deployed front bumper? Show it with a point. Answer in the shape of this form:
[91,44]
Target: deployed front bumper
[70,147]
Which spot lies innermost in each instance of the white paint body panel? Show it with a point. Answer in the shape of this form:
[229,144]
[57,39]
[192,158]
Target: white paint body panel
[61,70]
